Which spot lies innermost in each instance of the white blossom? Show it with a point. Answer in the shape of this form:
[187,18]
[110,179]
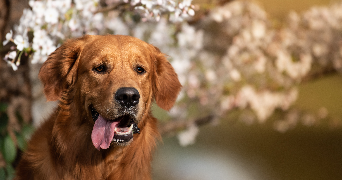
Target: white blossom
[98,21]
[193,81]
[13,65]
[8,37]
[188,136]
[37,57]
[9,58]
[39,37]
[11,55]
[49,47]
[210,75]
[190,37]
[51,15]
[220,14]
[38,8]
[149,3]
[185,3]
[258,29]
[74,23]
[227,103]
[21,42]
[118,26]
[133,2]
[235,75]
[260,64]
[63,6]
[180,66]
[163,32]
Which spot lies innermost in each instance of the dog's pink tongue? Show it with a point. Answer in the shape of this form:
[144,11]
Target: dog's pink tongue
[103,133]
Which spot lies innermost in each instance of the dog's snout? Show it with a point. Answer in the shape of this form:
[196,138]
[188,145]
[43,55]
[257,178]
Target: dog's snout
[127,96]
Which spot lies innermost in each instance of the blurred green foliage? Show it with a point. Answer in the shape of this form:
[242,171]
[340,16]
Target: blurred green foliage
[10,149]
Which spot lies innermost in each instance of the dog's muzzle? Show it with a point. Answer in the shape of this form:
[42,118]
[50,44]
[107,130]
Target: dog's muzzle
[120,129]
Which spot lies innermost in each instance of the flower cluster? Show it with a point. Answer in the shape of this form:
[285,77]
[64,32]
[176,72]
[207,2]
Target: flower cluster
[44,20]
[52,21]
[244,63]
[148,9]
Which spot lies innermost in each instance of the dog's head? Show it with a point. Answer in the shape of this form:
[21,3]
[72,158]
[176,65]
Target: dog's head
[112,80]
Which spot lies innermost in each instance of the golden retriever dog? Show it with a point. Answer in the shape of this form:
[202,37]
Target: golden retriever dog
[103,127]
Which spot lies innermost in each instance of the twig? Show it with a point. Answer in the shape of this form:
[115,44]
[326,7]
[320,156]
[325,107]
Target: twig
[174,126]
[323,72]
[107,8]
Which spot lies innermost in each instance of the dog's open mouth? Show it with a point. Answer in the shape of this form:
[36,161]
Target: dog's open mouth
[119,130]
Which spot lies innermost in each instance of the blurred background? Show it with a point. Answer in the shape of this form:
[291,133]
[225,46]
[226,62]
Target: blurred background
[233,150]
[262,96]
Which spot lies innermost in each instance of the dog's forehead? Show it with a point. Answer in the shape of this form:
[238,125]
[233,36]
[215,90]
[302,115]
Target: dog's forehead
[114,48]
[117,45]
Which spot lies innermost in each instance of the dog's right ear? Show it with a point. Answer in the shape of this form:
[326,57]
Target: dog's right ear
[58,72]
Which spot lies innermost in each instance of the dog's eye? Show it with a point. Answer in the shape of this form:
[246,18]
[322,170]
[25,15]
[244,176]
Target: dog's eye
[100,69]
[140,70]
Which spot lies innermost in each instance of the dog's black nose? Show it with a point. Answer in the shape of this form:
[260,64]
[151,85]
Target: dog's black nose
[127,96]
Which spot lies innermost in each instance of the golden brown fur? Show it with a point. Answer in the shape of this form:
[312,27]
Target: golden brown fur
[62,147]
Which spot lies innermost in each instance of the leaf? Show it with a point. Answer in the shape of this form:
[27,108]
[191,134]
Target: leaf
[27,131]
[3,107]
[3,122]
[10,172]
[21,142]
[2,173]
[9,150]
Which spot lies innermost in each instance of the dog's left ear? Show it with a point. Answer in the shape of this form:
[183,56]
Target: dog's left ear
[166,85]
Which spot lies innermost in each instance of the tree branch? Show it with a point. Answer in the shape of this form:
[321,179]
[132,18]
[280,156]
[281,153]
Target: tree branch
[174,126]
[116,6]
[316,74]
[109,8]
